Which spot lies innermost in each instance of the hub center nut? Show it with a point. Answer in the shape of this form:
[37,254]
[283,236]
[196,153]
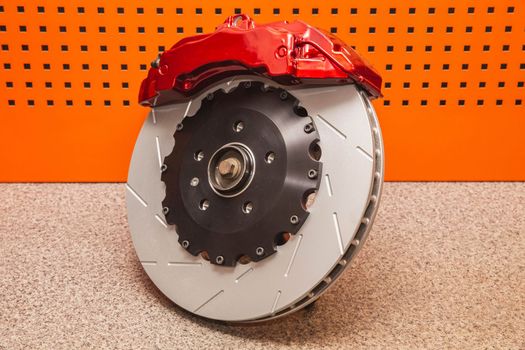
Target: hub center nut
[231,169]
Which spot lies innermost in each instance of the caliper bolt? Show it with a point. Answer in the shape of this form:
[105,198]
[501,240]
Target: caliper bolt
[281,51]
[155,62]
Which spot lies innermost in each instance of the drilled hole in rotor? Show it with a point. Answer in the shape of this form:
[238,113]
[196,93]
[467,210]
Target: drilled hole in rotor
[300,111]
[282,238]
[199,155]
[315,150]
[244,259]
[308,198]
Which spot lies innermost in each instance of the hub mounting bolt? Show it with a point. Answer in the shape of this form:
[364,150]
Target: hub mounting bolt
[312,173]
[308,128]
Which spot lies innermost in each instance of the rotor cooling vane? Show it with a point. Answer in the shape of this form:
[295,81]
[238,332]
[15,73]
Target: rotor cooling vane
[257,175]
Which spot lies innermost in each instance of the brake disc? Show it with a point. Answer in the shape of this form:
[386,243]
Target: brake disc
[247,199]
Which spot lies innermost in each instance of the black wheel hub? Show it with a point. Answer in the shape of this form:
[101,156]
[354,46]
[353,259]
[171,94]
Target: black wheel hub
[239,177]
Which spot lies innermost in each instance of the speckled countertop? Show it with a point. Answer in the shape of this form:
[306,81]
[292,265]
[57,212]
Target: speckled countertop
[444,267]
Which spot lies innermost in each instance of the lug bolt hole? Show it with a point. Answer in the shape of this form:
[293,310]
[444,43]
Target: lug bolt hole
[259,251]
[194,182]
[180,127]
[204,204]
[219,260]
[247,207]
[238,126]
[165,210]
[269,157]
[199,155]
[185,244]
[294,219]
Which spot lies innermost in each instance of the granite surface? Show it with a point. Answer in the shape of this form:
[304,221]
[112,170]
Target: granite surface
[444,267]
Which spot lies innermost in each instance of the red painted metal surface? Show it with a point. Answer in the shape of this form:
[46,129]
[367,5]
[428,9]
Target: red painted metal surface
[290,53]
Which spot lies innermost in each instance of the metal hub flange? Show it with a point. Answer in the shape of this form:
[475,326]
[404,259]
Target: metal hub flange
[240,174]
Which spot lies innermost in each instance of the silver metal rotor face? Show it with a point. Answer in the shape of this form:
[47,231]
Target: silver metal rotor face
[303,268]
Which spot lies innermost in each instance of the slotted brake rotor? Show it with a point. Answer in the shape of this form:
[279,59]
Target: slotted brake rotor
[255,178]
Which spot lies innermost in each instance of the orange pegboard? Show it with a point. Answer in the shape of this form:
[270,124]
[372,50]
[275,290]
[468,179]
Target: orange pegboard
[453,71]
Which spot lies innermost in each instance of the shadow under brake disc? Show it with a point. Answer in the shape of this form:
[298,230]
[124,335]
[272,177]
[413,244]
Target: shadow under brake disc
[247,202]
